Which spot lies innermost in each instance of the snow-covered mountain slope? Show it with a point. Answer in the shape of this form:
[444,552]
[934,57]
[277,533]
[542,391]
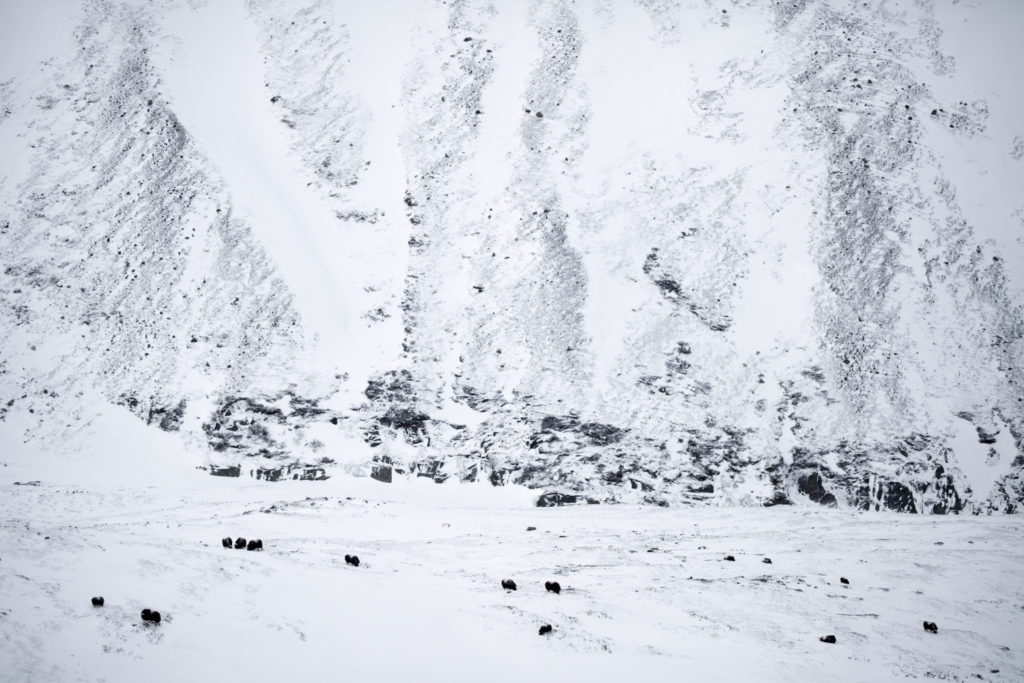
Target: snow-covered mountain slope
[674,251]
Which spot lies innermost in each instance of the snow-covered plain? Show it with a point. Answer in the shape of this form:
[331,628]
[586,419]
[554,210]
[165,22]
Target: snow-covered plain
[647,594]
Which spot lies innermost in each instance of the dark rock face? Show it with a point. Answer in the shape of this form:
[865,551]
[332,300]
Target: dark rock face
[381,473]
[229,471]
[352,560]
[552,423]
[410,421]
[243,425]
[812,485]
[98,601]
[394,386]
[778,498]
[899,498]
[545,629]
[508,584]
[167,417]
[294,471]
[151,616]
[601,434]
[269,473]
[553,587]
[554,498]
[305,473]
[594,433]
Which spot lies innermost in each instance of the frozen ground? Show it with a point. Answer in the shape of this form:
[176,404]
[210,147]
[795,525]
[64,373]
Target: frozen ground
[646,594]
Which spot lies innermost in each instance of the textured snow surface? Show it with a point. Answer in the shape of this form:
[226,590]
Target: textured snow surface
[646,591]
[670,252]
[646,594]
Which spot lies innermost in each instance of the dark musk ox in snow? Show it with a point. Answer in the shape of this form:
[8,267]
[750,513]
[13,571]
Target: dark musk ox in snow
[545,629]
[151,615]
[256,544]
[352,560]
[553,587]
[226,542]
[240,543]
[508,584]
[98,602]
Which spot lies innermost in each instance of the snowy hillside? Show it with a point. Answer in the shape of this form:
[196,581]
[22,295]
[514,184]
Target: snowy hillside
[668,251]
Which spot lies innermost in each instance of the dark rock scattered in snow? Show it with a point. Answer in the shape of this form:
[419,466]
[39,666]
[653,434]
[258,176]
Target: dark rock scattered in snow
[844,580]
[729,558]
[531,528]
[767,560]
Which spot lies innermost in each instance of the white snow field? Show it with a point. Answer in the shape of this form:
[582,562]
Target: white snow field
[647,594]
